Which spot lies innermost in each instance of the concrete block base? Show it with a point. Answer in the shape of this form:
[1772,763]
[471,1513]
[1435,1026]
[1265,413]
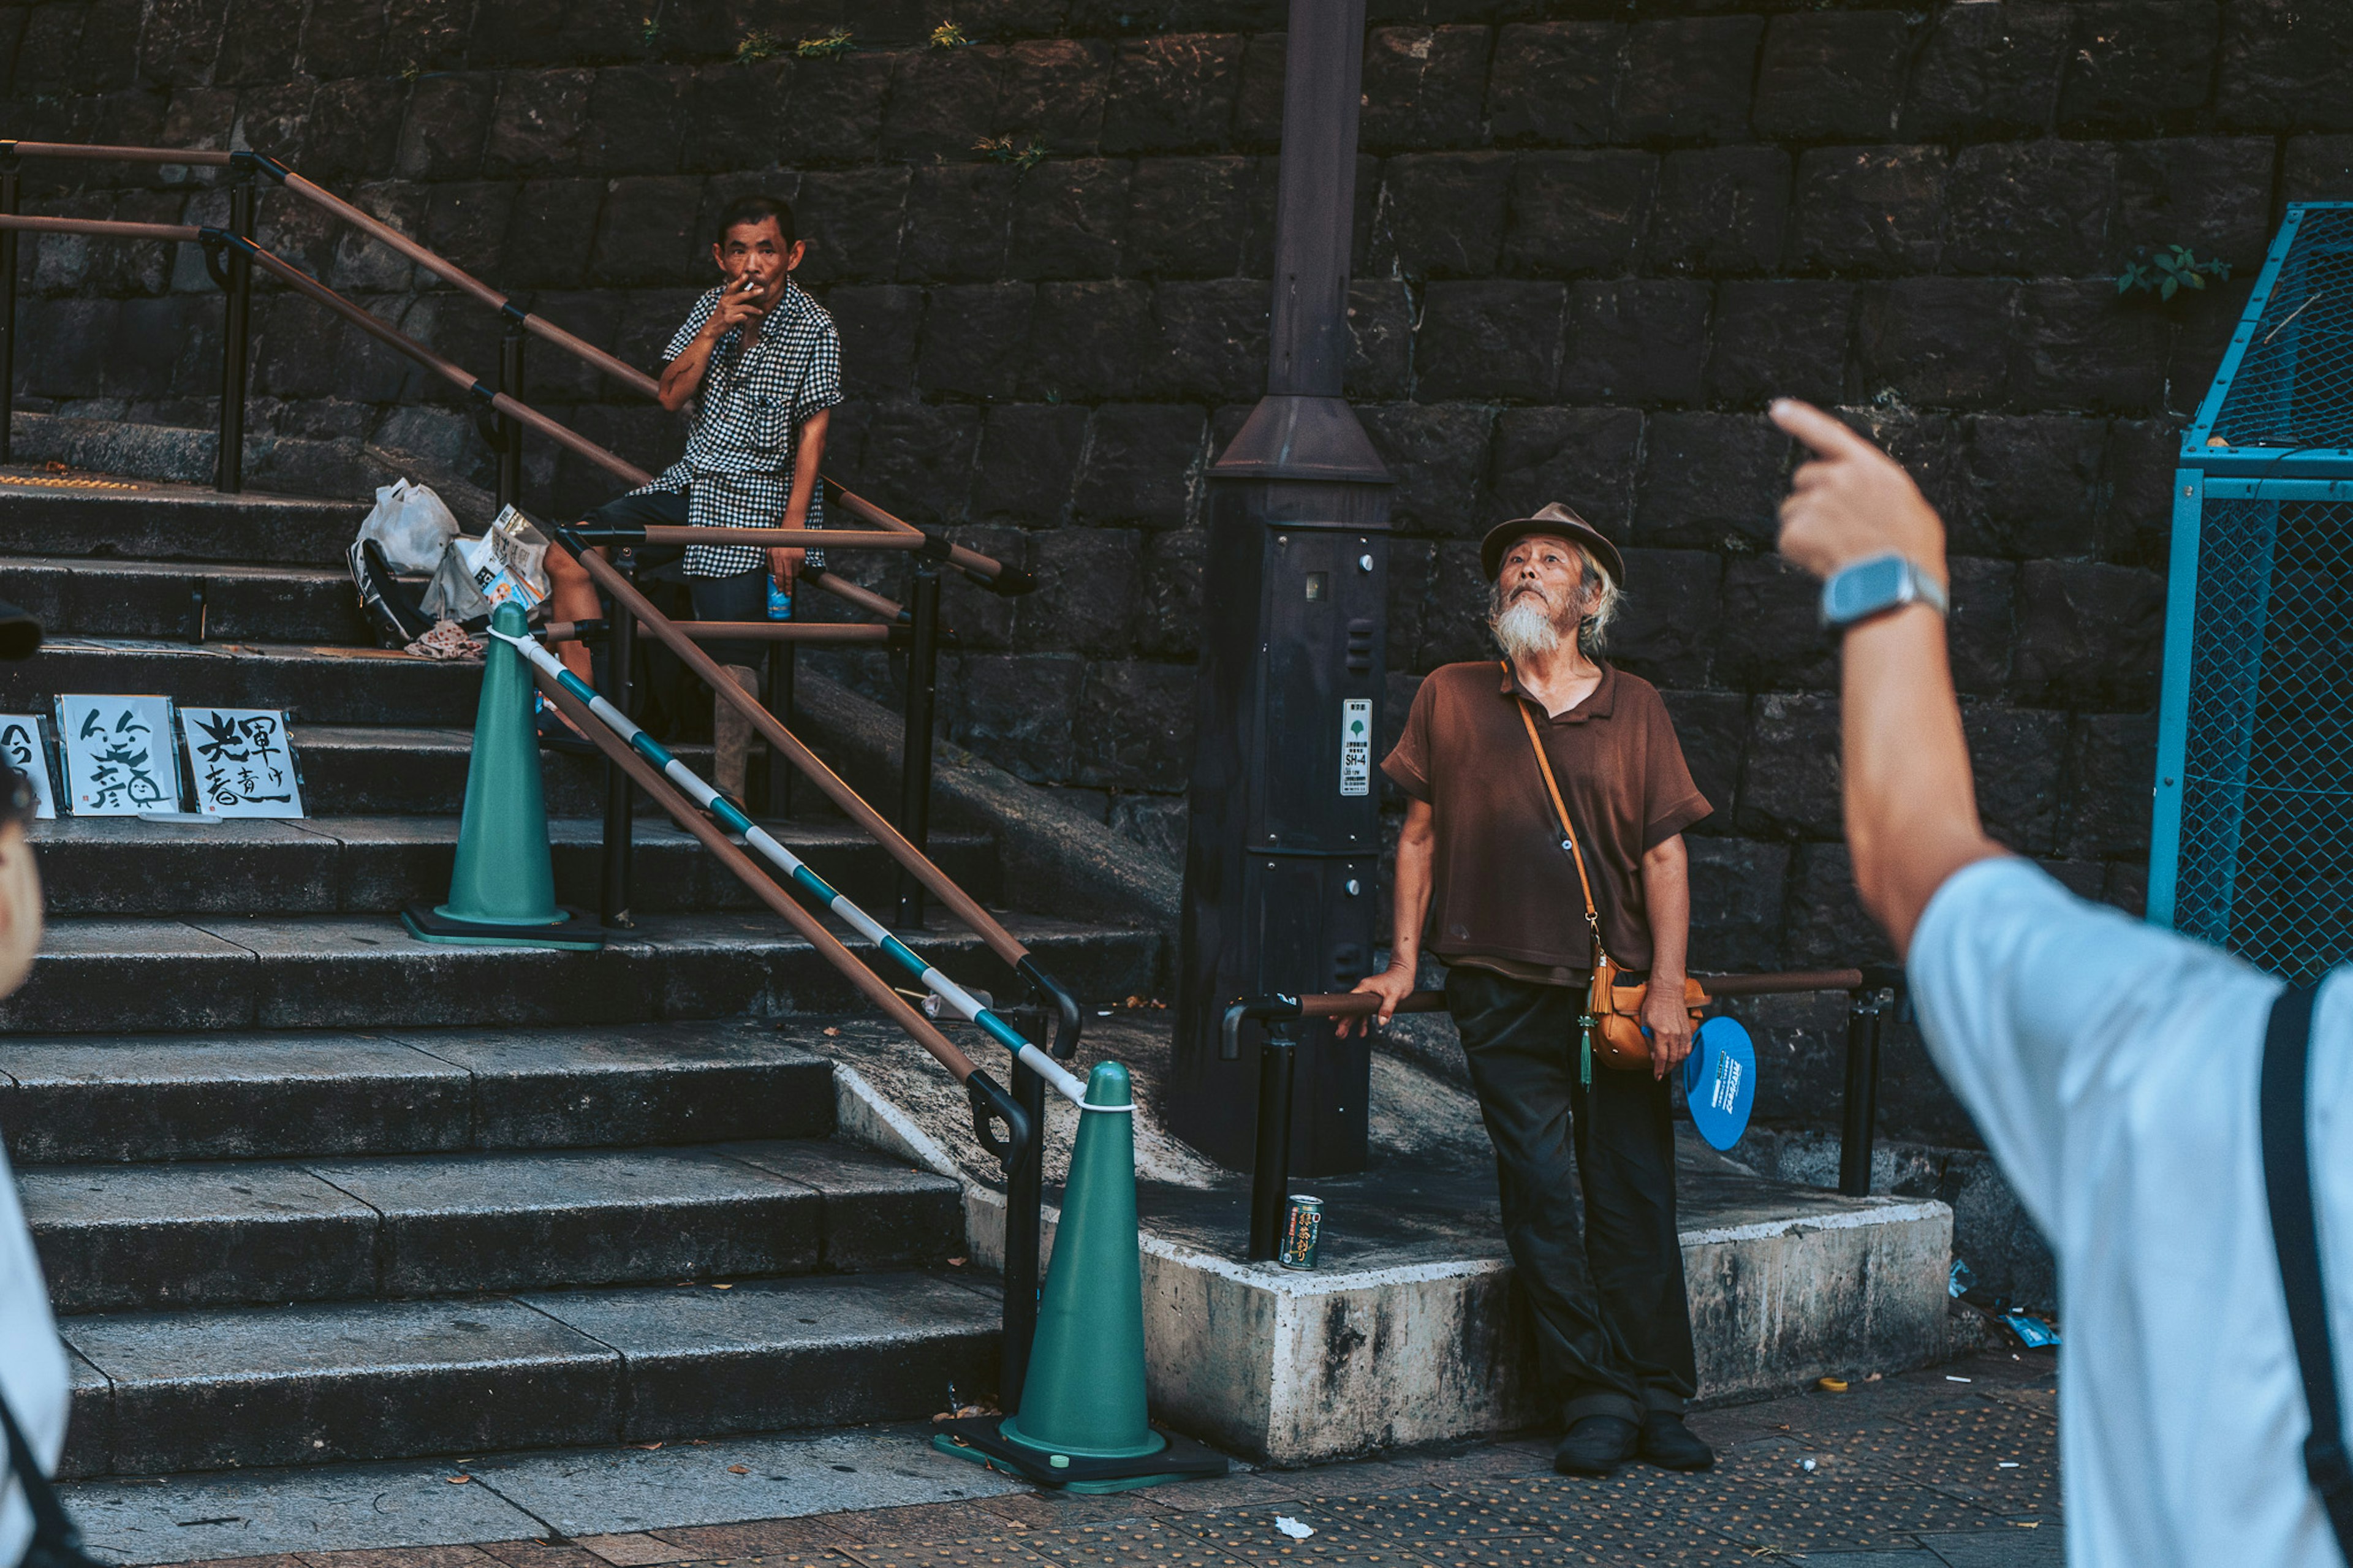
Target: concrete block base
[1410,1332]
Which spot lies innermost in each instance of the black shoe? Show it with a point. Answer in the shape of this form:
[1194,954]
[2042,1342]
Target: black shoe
[1672,1446]
[1595,1444]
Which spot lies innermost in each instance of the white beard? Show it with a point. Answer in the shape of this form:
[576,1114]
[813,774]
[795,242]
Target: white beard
[1525,629]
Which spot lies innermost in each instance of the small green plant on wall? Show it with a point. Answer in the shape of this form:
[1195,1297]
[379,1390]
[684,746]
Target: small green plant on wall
[948,36]
[826,46]
[1006,150]
[2164,273]
[758,44]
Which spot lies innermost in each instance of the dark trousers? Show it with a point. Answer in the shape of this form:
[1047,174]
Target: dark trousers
[739,596]
[1612,1325]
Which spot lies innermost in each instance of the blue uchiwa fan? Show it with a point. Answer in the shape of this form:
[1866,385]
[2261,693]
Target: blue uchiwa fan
[1720,1081]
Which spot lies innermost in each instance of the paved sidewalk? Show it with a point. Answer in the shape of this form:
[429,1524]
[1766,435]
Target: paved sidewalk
[1954,1468]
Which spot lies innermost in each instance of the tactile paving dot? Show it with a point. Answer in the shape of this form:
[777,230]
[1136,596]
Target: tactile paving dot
[980,1551]
[1408,1518]
[1120,1545]
[1251,1537]
[1815,1514]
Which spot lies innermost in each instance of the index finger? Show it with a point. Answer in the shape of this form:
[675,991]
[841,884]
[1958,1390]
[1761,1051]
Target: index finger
[1826,435]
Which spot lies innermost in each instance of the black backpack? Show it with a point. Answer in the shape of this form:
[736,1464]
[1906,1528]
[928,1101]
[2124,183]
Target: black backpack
[2287,1183]
[56,1543]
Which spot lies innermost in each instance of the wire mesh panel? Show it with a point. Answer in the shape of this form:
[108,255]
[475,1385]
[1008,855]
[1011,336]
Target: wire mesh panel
[2292,383]
[2265,858]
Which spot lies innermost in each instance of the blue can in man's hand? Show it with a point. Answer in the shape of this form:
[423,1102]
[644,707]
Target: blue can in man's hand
[780,601]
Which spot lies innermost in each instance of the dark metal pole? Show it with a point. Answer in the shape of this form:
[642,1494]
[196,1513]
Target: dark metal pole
[1278,1068]
[1866,1014]
[1025,1198]
[780,703]
[1282,850]
[511,429]
[11,194]
[237,314]
[620,794]
[915,761]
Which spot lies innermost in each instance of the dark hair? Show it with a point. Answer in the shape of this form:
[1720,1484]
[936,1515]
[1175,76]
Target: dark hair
[755,210]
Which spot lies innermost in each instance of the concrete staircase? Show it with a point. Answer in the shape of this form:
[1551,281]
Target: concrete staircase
[310,1191]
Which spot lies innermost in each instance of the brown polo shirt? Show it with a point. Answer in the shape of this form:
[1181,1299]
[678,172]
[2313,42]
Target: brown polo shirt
[1505,896]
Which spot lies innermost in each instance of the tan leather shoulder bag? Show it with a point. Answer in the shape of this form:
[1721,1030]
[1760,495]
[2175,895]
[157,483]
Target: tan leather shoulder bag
[1612,1023]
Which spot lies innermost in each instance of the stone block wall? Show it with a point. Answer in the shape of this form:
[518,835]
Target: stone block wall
[1593,238]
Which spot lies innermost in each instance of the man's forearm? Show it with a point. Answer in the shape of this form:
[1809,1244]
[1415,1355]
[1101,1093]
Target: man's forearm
[1410,896]
[808,459]
[1666,891]
[683,376]
[1910,808]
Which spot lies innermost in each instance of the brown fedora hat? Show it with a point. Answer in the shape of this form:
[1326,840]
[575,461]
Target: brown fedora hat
[1557,520]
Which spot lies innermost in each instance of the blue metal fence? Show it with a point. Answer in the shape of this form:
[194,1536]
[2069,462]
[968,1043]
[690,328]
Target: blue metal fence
[2253,841]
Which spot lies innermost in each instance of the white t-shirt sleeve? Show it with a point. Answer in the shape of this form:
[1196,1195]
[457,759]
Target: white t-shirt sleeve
[2035,1002]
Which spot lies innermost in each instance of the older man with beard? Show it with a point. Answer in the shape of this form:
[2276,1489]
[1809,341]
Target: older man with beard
[1482,865]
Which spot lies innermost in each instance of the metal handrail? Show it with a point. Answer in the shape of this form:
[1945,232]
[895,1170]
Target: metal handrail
[1872,991]
[1023,1110]
[959,902]
[993,573]
[744,631]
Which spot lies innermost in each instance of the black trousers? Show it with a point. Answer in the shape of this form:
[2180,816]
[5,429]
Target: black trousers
[1605,1294]
[738,596]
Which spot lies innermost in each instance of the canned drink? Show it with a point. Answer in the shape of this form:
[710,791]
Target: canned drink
[1302,1232]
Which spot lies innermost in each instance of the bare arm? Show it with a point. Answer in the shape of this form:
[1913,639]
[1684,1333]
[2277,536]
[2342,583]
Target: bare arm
[808,457]
[1911,807]
[682,377]
[1410,897]
[1666,890]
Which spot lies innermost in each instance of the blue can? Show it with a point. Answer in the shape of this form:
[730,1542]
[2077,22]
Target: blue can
[780,601]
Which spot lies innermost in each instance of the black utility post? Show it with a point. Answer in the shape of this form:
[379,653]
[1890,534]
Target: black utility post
[1283,850]
[236,312]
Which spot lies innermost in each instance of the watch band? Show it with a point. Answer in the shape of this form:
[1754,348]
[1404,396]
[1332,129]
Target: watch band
[1873,586]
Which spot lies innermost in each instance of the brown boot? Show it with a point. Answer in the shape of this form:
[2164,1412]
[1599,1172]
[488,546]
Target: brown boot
[731,734]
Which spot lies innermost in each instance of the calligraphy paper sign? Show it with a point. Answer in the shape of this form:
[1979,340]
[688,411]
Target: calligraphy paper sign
[21,743]
[119,755]
[241,762]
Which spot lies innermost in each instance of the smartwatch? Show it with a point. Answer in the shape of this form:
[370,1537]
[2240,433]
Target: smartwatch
[1874,585]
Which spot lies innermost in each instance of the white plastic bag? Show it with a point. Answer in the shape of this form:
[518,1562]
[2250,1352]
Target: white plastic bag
[410,525]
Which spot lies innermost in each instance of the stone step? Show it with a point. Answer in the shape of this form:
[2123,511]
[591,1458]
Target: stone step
[124,865]
[318,684]
[314,1384]
[78,1098]
[322,972]
[106,598]
[132,1237]
[146,520]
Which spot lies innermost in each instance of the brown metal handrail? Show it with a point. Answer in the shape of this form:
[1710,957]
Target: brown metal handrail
[742,631]
[193,157]
[872,986]
[1872,992]
[448,271]
[959,902]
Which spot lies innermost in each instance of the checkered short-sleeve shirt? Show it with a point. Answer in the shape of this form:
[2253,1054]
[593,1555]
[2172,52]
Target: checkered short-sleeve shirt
[738,468]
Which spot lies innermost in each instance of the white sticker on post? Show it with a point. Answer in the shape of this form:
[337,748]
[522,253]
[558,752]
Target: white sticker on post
[1356,746]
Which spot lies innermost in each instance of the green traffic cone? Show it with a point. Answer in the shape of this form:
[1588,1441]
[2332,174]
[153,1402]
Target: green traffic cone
[1085,1394]
[502,890]
[1082,1425]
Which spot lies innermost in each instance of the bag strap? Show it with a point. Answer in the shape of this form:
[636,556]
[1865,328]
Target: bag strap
[2287,1182]
[1568,833]
[51,1526]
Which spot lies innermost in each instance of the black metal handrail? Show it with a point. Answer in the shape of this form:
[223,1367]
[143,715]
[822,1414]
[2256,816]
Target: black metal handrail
[1873,992]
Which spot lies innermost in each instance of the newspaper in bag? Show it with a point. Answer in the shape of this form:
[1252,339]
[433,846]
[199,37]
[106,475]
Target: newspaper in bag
[507,562]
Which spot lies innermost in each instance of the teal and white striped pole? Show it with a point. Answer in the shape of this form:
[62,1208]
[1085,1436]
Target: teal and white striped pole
[733,818]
